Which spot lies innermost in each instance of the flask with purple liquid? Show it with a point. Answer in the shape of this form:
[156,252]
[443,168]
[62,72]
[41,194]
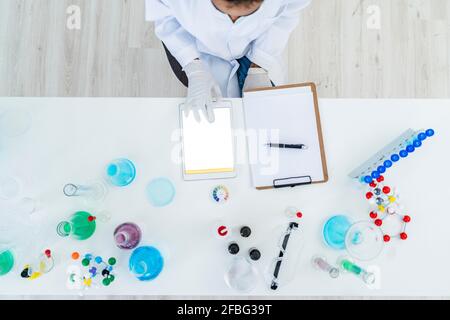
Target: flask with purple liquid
[127,235]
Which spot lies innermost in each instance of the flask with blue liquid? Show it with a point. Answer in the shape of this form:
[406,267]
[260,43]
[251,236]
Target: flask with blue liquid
[120,172]
[146,263]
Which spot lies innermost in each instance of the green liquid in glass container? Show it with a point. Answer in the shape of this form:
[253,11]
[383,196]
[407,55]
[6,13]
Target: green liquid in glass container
[351,267]
[81,226]
[6,262]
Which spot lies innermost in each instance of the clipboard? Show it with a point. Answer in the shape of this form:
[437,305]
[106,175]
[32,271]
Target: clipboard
[268,98]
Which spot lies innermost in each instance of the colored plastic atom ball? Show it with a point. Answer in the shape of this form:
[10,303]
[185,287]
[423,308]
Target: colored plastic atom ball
[75,255]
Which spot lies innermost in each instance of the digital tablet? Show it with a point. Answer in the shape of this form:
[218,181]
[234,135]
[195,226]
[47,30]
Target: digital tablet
[208,148]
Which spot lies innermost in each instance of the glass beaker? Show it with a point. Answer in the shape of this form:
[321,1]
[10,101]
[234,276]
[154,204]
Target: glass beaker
[146,263]
[362,240]
[127,235]
[121,172]
[80,226]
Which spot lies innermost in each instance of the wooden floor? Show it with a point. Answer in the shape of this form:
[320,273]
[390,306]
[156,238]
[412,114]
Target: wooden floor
[116,53]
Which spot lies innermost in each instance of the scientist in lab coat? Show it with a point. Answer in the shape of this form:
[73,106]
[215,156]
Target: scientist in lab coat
[222,47]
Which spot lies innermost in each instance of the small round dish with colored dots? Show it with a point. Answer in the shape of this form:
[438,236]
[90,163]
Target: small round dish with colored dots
[220,194]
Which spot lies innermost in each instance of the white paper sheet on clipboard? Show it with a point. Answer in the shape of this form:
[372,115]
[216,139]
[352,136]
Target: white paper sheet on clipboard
[288,115]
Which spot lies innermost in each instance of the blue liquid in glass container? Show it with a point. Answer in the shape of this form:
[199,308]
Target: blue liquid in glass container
[121,172]
[146,263]
[334,231]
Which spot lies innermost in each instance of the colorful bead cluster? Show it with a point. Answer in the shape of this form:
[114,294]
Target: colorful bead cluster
[384,200]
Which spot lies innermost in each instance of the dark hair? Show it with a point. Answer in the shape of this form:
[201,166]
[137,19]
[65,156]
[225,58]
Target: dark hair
[242,2]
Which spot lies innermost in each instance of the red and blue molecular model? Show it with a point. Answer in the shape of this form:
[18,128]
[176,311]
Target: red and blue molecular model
[384,199]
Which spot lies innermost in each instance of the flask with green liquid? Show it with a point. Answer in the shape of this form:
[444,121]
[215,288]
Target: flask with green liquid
[80,226]
[6,262]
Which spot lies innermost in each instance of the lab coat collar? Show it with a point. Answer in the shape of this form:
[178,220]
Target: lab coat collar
[267,9]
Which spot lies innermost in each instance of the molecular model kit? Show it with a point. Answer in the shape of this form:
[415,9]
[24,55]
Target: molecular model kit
[93,271]
[383,198]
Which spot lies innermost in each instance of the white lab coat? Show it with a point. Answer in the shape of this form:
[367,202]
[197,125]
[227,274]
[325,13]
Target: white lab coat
[197,29]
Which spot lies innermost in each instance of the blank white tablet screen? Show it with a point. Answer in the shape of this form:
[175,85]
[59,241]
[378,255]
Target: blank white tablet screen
[208,147]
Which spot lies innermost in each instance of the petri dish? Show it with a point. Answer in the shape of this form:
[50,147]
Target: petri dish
[14,122]
[364,241]
[160,192]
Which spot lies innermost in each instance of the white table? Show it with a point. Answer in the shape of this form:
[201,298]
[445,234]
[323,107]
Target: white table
[71,140]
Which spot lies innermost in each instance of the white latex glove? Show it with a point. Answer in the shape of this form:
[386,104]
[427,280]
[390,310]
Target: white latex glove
[257,78]
[202,91]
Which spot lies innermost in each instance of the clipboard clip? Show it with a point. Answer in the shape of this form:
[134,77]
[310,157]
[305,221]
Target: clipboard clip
[292,182]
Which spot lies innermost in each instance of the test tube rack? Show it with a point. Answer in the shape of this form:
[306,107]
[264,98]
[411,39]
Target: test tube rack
[399,148]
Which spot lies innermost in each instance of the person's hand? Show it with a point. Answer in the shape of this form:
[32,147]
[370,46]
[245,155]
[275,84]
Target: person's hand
[202,91]
[257,78]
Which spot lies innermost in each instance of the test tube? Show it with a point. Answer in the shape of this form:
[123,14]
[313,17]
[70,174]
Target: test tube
[321,264]
[349,266]
[92,192]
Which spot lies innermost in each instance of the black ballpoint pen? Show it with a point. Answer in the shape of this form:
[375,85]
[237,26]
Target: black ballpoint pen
[287,146]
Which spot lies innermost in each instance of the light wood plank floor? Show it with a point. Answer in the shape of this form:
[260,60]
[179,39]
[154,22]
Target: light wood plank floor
[116,53]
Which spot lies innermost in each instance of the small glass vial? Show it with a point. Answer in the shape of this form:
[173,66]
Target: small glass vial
[321,264]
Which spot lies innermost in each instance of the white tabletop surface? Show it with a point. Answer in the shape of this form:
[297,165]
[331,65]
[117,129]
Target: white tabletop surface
[71,140]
